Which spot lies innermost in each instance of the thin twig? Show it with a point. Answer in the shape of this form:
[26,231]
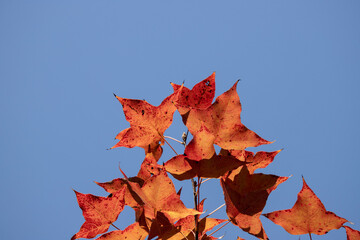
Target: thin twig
[184,235]
[170,146]
[174,139]
[219,228]
[115,226]
[310,236]
[213,211]
[196,217]
[205,180]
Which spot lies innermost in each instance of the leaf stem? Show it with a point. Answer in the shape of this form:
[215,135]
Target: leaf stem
[170,146]
[174,139]
[310,236]
[115,226]
[205,180]
[214,211]
[219,228]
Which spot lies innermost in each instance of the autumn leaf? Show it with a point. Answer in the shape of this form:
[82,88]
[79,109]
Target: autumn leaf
[149,166]
[183,168]
[260,160]
[199,97]
[158,204]
[351,233]
[222,120]
[201,146]
[147,122]
[245,197]
[307,216]
[134,231]
[200,159]
[99,213]
[161,196]
[119,183]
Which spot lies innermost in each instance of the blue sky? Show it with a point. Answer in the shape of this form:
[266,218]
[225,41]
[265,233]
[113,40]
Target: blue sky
[60,62]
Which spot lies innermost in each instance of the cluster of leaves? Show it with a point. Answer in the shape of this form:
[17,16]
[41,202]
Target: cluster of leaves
[159,211]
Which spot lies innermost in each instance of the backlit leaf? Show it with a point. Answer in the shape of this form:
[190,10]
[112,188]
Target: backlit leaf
[308,215]
[99,213]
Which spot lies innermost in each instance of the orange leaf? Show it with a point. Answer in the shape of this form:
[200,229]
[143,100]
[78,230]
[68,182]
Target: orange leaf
[222,119]
[245,197]
[161,196]
[147,122]
[352,234]
[134,231]
[150,166]
[308,215]
[119,183]
[201,146]
[99,213]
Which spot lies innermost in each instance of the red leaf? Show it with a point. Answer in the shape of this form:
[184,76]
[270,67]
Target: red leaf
[147,122]
[199,97]
[308,215]
[99,213]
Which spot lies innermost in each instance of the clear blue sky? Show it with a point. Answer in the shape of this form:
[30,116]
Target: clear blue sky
[60,62]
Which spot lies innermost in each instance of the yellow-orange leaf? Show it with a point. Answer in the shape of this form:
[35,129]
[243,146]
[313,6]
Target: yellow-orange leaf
[308,215]
[99,213]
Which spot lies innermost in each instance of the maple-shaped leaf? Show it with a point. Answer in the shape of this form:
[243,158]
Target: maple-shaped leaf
[307,216]
[99,213]
[222,120]
[260,160]
[147,122]
[352,234]
[245,197]
[134,231]
[199,97]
